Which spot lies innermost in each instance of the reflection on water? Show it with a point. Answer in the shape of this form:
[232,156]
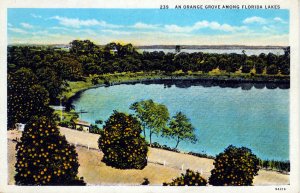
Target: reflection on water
[186,83]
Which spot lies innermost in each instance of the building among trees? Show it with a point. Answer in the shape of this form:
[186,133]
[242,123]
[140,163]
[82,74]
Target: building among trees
[82,125]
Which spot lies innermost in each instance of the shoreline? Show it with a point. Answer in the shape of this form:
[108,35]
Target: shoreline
[185,82]
[222,81]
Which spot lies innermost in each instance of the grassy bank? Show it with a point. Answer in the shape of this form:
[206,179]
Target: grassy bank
[108,79]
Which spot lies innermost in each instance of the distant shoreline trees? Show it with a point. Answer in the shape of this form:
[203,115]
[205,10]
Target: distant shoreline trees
[85,58]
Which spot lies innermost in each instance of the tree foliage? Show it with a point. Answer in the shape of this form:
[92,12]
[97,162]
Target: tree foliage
[234,167]
[180,129]
[121,143]
[153,116]
[85,58]
[272,69]
[44,157]
[25,97]
[190,178]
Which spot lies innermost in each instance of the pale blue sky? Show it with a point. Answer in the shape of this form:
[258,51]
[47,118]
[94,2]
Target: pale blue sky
[149,26]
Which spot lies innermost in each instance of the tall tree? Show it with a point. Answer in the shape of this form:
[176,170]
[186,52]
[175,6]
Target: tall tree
[180,129]
[153,116]
[68,68]
[53,83]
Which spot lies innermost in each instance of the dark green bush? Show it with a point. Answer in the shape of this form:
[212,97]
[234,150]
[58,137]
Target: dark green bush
[145,182]
[44,157]
[95,129]
[190,178]
[121,143]
[65,124]
[234,167]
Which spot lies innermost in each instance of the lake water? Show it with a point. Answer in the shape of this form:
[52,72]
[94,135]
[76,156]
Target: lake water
[248,52]
[255,118]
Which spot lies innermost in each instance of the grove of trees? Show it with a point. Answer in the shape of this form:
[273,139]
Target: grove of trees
[38,75]
[50,68]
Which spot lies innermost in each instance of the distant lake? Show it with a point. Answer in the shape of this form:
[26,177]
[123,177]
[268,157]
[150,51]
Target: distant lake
[248,52]
[257,118]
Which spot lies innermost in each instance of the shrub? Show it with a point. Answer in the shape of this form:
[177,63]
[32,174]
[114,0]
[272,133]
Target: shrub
[272,69]
[65,124]
[203,155]
[190,178]
[234,167]
[44,157]
[121,143]
[165,147]
[145,182]
[95,129]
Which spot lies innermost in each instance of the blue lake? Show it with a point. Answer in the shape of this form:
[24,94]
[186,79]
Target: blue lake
[254,118]
[248,52]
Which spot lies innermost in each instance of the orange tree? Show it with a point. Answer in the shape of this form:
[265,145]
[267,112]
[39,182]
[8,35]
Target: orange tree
[25,97]
[190,178]
[234,167]
[121,142]
[44,157]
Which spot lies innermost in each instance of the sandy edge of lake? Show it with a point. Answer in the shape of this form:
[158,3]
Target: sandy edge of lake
[162,167]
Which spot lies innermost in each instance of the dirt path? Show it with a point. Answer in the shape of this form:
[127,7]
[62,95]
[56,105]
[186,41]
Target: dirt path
[162,167]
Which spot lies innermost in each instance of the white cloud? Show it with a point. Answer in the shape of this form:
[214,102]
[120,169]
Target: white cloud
[60,28]
[267,28]
[86,31]
[163,38]
[255,19]
[26,25]
[43,32]
[205,24]
[77,23]
[280,20]
[9,25]
[115,32]
[35,16]
[141,25]
[17,30]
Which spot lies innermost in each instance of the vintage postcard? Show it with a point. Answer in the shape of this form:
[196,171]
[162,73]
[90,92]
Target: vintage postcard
[125,96]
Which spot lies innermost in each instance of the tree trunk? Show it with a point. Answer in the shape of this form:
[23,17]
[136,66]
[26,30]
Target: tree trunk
[144,128]
[150,137]
[178,140]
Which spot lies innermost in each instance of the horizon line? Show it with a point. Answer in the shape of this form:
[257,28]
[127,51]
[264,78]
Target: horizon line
[156,45]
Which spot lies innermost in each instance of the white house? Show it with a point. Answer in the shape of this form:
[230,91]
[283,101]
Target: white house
[82,125]
[20,126]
